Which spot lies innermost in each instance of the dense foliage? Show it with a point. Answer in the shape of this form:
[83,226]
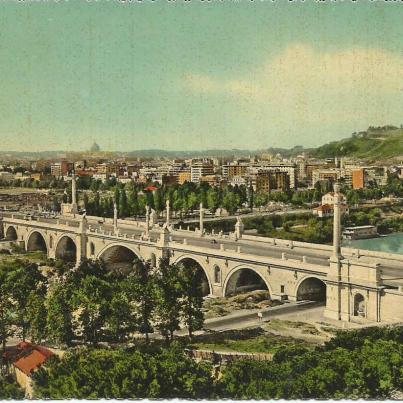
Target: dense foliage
[125,374]
[364,363]
[376,143]
[90,303]
[9,389]
[355,364]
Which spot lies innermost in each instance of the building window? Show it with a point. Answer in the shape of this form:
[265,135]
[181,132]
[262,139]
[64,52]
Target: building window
[217,275]
[153,260]
[359,305]
[282,289]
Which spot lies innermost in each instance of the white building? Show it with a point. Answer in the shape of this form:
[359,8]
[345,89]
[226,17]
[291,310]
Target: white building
[199,169]
[6,176]
[328,198]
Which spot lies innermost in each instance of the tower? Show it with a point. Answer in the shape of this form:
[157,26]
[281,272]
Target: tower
[115,218]
[334,278]
[337,222]
[74,208]
[71,209]
[201,219]
[168,212]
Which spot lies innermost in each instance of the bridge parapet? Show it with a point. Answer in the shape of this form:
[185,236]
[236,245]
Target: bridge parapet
[239,256]
[359,253]
[41,224]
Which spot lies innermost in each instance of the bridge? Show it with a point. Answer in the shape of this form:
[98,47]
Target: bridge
[355,285]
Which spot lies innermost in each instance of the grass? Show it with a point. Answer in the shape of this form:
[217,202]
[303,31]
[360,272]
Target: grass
[305,328]
[33,257]
[374,145]
[252,340]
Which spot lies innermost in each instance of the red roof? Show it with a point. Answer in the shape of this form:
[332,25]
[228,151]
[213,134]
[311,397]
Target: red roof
[151,188]
[32,357]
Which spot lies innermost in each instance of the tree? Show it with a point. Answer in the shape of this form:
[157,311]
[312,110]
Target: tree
[120,319]
[133,203]
[124,374]
[261,199]
[59,315]
[141,292]
[168,293]
[158,201]
[91,300]
[192,297]
[192,201]
[181,377]
[212,200]
[177,202]
[150,199]
[86,202]
[24,279]
[96,210]
[36,317]
[231,202]
[10,390]
[123,205]
[6,312]
[251,194]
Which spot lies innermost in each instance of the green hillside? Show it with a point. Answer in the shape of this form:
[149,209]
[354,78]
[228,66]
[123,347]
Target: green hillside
[376,143]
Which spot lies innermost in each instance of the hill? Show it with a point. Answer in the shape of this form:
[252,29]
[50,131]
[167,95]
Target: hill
[376,143]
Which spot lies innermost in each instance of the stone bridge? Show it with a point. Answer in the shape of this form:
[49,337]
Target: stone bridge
[355,285]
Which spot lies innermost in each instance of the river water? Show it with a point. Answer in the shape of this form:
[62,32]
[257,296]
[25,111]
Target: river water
[392,243]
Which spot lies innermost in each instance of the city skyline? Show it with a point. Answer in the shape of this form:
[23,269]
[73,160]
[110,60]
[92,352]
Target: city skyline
[189,76]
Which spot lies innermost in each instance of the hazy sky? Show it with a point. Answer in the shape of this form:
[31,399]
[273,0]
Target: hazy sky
[196,74]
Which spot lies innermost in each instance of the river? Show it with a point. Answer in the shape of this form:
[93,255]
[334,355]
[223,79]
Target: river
[392,243]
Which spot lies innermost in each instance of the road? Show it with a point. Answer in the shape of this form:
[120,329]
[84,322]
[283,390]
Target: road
[209,218]
[250,318]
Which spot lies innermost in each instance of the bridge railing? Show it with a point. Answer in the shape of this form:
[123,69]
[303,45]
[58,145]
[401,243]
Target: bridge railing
[235,254]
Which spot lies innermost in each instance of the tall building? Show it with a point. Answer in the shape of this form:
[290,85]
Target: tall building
[362,177]
[267,181]
[184,176]
[60,169]
[319,175]
[231,170]
[201,168]
[358,178]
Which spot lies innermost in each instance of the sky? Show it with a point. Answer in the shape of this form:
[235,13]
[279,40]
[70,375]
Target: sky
[190,75]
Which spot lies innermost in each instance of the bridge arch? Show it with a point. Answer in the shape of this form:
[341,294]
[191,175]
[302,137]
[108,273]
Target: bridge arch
[118,257]
[36,241]
[11,233]
[204,277]
[244,278]
[311,288]
[66,249]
